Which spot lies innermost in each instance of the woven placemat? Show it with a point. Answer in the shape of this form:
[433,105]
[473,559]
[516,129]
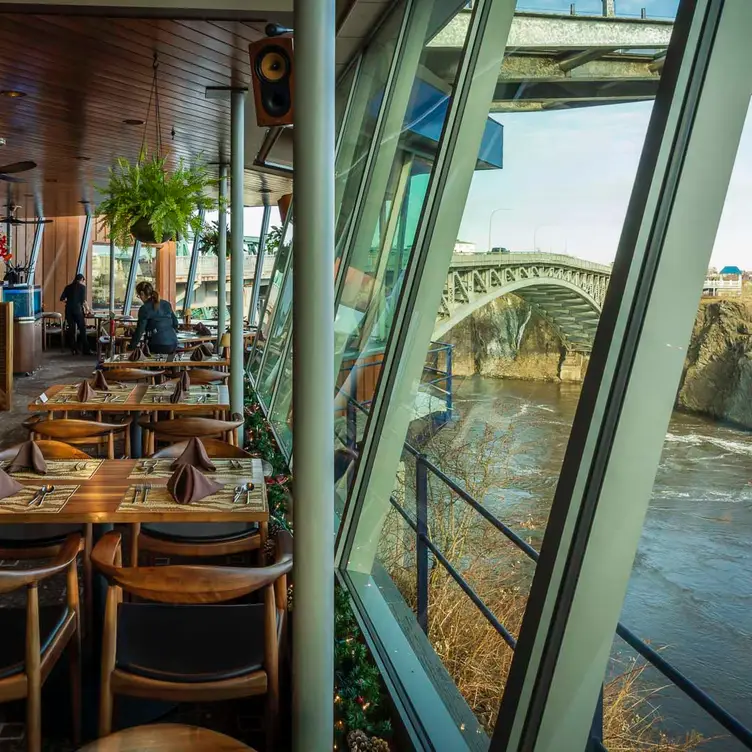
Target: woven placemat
[116,395]
[228,471]
[197,395]
[52,503]
[159,499]
[62,469]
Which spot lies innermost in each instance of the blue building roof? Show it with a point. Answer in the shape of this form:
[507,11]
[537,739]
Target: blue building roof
[731,270]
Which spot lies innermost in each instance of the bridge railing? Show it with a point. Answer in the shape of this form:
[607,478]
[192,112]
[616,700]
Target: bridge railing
[522,258]
[425,548]
[207,267]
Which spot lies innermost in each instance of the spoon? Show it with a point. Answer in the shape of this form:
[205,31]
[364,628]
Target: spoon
[44,491]
[238,490]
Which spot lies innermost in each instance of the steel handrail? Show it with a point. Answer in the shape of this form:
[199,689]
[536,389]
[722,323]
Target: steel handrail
[689,688]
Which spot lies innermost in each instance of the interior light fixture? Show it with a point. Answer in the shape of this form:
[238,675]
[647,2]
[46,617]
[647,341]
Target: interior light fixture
[12,93]
[134,121]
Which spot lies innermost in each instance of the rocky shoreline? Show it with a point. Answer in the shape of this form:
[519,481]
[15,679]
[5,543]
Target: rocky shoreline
[508,340]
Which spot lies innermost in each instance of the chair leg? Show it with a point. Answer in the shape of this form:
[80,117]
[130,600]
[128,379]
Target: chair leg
[127,441]
[33,673]
[108,663]
[88,571]
[111,445]
[135,532]
[74,657]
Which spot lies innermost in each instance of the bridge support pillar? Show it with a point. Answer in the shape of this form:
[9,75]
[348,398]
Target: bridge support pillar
[573,367]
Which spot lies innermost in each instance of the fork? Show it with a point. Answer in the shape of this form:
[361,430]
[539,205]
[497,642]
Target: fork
[137,489]
[147,488]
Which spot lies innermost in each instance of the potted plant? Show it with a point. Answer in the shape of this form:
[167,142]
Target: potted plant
[210,239]
[152,204]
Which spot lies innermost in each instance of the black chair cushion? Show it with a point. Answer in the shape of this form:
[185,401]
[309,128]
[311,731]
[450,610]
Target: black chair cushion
[35,536]
[188,644]
[13,631]
[199,532]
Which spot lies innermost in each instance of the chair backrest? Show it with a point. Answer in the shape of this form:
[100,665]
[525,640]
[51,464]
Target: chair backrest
[207,376]
[132,374]
[183,584]
[214,448]
[12,579]
[181,429]
[51,450]
[74,430]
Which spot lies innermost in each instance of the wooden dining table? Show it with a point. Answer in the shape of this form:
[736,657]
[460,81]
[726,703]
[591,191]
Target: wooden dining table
[108,491]
[136,399]
[174,361]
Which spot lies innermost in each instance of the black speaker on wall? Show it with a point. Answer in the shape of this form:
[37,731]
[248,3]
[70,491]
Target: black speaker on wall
[273,80]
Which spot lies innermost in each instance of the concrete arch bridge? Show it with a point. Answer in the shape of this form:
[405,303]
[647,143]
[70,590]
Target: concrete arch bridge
[566,291]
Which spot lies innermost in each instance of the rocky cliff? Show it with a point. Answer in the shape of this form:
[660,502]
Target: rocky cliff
[717,378]
[506,339]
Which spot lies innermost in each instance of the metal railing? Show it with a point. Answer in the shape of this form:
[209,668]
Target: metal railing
[424,545]
[207,267]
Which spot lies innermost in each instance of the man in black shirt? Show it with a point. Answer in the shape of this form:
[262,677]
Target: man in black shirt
[74,296]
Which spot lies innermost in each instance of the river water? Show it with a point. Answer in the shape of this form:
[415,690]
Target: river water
[691,587]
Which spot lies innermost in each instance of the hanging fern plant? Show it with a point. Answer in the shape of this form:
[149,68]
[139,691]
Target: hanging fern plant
[152,204]
[147,201]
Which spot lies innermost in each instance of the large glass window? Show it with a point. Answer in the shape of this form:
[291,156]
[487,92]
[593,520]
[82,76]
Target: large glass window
[283,241]
[100,275]
[454,538]
[691,584]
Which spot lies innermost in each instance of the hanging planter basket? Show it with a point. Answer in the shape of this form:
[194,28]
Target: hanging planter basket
[151,200]
[141,231]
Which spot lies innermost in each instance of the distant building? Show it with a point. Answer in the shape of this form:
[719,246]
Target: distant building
[731,271]
[462,246]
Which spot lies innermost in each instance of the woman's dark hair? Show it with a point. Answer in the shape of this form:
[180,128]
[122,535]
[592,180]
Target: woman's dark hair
[146,290]
[79,278]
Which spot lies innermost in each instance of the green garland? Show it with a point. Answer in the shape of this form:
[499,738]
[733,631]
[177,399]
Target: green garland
[360,695]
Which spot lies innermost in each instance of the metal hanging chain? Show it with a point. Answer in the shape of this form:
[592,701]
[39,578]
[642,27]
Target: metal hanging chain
[153,96]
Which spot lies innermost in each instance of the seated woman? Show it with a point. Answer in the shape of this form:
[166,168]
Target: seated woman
[157,320]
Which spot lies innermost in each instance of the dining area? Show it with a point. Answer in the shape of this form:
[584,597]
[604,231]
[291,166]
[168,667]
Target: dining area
[134,529]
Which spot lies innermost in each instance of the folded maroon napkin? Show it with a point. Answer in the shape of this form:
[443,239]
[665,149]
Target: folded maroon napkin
[185,381]
[177,394]
[136,354]
[145,349]
[8,486]
[187,484]
[100,382]
[195,454]
[29,457]
[198,354]
[202,330]
[85,393]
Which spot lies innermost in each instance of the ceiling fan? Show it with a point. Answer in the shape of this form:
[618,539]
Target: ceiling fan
[12,219]
[7,171]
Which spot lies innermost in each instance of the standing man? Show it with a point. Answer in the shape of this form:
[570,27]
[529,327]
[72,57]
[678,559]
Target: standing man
[76,308]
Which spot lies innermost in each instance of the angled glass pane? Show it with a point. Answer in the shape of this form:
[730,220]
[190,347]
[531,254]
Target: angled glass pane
[281,414]
[360,125]
[277,341]
[279,243]
[491,413]
[342,94]
[691,583]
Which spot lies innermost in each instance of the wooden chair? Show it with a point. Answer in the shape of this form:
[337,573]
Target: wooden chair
[190,648]
[52,326]
[214,448]
[199,539]
[86,432]
[208,376]
[133,374]
[182,429]
[34,638]
[166,737]
[38,541]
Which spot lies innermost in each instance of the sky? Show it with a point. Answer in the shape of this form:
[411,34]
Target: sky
[567,180]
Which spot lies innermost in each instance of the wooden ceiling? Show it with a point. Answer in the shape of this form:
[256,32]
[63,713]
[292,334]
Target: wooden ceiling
[83,77]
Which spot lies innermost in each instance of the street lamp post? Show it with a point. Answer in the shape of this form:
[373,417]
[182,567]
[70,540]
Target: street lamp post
[490,221]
